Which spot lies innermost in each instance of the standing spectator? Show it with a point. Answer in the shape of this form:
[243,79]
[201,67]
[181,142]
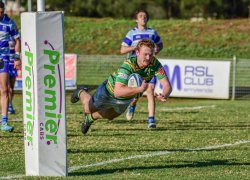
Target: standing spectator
[141,31]
[8,31]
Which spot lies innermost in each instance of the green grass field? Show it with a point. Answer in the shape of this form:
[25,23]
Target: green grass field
[195,139]
[181,38]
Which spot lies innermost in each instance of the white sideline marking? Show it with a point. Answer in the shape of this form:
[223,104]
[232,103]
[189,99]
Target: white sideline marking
[157,153]
[186,108]
[12,177]
[15,120]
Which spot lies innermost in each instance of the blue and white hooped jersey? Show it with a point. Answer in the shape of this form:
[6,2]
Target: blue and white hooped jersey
[8,32]
[11,69]
[135,35]
[11,52]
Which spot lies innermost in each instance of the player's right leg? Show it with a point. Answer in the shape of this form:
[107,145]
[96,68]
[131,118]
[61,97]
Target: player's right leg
[75,96]
[91,114]
[131,110]
[12,80]
[4,97]
[151,106]
[90,118]
[91,105]
[151,103]
[103,105]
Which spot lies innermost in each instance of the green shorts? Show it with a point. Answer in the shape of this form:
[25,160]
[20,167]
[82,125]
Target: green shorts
[103,100]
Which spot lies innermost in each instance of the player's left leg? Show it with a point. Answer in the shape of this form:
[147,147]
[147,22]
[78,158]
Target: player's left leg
[4,101]
[90,118]
[131,110]
[102,105]
[12,80]
[151,103]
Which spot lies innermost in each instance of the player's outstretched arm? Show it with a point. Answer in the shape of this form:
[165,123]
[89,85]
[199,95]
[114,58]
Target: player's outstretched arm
[167,89]
[17,62]
[158,48]
[122,90]
[127,49]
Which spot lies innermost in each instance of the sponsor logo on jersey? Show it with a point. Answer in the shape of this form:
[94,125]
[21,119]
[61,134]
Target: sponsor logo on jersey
[122,75]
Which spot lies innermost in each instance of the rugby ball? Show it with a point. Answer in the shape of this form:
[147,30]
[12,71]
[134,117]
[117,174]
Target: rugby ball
[135,80]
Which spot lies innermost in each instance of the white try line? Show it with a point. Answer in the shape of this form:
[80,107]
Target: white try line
[15,120]
[157,153]
[186,108]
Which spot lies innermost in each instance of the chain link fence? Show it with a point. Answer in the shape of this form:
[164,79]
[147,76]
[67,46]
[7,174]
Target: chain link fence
[240,79]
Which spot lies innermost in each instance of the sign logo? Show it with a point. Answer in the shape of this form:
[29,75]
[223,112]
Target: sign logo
[29,95]
[198,75]
[174,77]
[192,76]
[52,81]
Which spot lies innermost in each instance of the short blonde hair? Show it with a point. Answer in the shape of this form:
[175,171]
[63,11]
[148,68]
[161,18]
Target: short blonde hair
[145,42]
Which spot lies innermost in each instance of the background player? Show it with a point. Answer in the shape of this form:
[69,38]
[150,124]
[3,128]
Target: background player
[8,31]
[129,43]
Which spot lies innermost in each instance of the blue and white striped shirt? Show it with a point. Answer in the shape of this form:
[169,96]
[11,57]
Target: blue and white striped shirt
[135,35]
[8,32]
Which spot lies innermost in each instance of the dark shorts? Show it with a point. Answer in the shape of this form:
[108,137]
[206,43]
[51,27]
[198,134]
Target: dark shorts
[103,100]
[12,71]
[4,66]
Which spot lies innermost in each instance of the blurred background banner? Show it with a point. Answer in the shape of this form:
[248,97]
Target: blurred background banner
[197,79]
[70,73]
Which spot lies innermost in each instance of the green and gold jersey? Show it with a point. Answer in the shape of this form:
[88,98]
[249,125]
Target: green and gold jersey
[130,66]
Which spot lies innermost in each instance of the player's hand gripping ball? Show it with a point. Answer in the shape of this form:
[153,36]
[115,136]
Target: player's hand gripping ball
[135,80]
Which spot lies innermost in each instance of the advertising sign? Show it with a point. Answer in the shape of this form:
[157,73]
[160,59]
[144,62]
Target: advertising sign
[70,73]
[197,79]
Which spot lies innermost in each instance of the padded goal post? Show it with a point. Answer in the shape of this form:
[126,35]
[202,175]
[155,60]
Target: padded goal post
[43,76]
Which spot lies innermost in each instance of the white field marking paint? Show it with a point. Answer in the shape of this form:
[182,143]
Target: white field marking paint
[13,177]
[158,153]
[161,109]
[186,108]
[15,120]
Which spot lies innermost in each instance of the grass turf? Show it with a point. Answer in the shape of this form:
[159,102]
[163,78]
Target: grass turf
[179,131]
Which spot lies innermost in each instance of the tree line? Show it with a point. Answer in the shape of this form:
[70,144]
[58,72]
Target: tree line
[162,9]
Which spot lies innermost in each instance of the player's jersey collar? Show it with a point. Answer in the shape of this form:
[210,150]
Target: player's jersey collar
[136,28]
